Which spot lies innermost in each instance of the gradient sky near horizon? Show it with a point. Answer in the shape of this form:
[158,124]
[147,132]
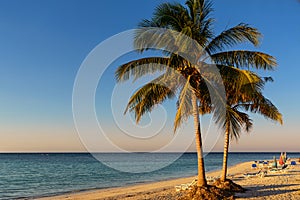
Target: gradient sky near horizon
[43,44]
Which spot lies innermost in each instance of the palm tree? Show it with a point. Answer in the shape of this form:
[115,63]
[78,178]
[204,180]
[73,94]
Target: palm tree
[194,21]
[234,123]
[248,97]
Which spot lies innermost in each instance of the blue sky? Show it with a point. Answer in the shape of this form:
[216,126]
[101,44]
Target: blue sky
[43,44]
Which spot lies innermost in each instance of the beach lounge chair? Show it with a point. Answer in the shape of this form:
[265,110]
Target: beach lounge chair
[186,186]
[275,171]
[279,170]
[212,179]
[260,173]
[261,163]
[231,176]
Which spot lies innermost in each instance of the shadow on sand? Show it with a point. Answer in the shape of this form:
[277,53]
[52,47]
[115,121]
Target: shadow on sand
[266,190]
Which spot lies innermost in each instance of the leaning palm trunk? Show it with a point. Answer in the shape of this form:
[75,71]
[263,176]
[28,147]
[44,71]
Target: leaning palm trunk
[201,168]
[225,157]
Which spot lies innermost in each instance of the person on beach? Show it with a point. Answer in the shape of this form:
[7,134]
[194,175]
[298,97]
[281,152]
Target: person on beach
[281,159]
[274,163]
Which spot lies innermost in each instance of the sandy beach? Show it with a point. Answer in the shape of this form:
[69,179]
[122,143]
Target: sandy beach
[283,184]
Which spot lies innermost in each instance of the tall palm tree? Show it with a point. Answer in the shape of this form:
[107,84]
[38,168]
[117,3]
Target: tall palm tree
[235,122]
[248,97]
[194,21]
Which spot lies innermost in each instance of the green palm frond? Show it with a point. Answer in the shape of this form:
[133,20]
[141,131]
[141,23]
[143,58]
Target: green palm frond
[167,40]
[238,121]
[238,77]
[233,36]
[184,105]
[270,111]
[264,107]
[211,94]
[193,22]
[245,120]
[199,10]
[151,94]
[145,23]
[141,67]
[207,86]
[240,85]
[155,38]
[245,59]
[234,122]
[171,15]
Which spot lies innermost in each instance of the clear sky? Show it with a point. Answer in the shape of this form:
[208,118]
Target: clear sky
[43,43]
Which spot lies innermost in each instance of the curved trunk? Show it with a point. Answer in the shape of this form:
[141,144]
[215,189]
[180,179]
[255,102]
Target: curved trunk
[201,169]
[225,157]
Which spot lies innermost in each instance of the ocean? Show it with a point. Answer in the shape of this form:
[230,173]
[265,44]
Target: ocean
[29,175]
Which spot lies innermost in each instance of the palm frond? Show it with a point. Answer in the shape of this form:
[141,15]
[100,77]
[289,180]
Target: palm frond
[233,36]
[153,38]
[151,94]
[184,105]
[240,85]
[234,122]
[207,84]
[245,59]
[141,67]
[238,77]
[167,40]
[245,120]
[264,107]
[171,15]
[200,11]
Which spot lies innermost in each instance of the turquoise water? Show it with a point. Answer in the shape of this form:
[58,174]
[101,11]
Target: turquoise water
[25,176]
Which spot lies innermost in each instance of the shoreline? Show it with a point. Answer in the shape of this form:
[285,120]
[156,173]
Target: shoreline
[274,186]
[167,184]
[50,196]
[128,185]
[104,189]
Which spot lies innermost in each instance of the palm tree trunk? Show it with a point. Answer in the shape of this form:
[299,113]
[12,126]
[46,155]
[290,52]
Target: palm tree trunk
[225,157]
[201,169]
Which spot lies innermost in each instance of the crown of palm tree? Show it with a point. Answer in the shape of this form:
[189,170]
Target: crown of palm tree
[194,21]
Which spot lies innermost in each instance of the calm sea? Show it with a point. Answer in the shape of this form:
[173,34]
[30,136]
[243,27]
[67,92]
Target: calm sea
[24,176]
